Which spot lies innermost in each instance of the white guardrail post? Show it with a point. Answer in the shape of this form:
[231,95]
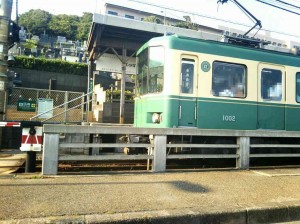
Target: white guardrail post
[50,154]
[160,153]
[243,152]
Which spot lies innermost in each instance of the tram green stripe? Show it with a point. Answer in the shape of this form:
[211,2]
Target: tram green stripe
[211,112]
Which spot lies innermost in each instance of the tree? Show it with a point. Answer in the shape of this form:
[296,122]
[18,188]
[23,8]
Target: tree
[84,26]
[64,25]
[35,21]
[72,27]
[30,44]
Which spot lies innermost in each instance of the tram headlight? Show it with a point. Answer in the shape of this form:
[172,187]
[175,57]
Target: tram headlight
[156,118]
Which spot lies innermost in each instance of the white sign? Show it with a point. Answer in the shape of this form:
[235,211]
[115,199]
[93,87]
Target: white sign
[45,105]
[111,63]
[1,85]
[1,46]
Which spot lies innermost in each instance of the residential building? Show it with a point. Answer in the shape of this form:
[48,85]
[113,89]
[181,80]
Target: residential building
[165,16]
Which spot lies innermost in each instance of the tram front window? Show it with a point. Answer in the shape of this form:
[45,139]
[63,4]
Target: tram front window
[150,70]
[142,74]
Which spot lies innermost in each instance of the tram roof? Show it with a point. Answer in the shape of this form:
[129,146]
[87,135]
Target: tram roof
[223,49]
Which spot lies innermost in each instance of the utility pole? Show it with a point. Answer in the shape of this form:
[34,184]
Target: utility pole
[5,15]
[17,12]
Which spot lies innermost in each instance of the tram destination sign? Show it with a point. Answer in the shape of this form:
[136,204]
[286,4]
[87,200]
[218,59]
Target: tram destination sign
[26,105]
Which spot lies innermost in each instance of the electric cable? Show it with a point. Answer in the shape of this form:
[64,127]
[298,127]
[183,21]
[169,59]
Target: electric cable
[214,18]
[278,7]
[289,4]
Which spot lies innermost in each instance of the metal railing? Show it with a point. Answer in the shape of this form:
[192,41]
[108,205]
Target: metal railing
[66,108]
[23,105]
[159,147]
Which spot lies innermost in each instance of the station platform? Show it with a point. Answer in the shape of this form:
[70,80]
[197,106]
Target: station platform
[210,196]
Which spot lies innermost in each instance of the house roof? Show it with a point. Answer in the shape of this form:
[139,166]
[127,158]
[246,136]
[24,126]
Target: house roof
[116,32]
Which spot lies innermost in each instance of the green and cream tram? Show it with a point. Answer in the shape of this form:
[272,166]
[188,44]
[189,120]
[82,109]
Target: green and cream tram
[184,82]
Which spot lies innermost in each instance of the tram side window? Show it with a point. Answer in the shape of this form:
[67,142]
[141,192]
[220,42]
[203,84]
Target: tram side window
[271,84]
[187,75]
[229,80]
[298,87]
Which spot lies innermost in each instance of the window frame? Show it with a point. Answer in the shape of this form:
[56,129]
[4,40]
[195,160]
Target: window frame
[267,84]
[129,16]
[244,78]
[147,89]
[187,61]
[297,89]
[113,13]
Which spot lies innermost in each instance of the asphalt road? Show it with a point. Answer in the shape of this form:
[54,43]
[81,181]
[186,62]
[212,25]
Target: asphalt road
[120,196]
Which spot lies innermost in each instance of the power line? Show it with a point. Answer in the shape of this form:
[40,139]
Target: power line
[211,17]
[278,7]
[289,4]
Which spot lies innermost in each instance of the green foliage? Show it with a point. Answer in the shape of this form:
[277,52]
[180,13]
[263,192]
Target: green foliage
[152,19]
[116,94]
[35,20]
[187,25]
[84,26]
[30,44]
[64,25]
[73,27]
[51,65]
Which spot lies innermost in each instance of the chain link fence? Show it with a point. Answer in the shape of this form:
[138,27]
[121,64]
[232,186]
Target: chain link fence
[52,106]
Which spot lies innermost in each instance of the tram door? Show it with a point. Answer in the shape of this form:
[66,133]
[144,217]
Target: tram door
[187,111]
[271,97]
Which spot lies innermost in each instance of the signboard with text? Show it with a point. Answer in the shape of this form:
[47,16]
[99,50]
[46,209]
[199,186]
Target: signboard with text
[26,105]
[45,108]
[111,63]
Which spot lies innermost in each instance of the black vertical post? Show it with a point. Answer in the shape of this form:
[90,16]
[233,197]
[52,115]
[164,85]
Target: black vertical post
[30,166]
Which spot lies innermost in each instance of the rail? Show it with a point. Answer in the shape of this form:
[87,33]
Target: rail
[158,148]
[63,104]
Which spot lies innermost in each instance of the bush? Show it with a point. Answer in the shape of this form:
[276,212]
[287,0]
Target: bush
[116,95]
[51,65]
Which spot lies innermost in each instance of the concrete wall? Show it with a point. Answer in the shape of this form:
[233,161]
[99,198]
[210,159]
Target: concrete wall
[40,80]
[111,112]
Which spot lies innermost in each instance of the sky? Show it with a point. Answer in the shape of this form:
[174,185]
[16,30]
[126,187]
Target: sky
[199,10]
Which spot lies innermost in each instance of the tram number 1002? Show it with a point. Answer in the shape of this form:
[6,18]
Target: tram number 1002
[228,118]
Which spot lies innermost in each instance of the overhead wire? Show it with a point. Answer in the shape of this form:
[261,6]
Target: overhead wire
[250,16]
[278,7]
[289,4]
[211,17]
[244,12]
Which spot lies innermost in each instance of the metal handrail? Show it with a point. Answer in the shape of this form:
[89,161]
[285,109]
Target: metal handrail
[47,111]
[66,110]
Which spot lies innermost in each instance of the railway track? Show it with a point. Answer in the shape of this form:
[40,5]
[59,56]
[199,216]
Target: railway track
[10,163]
[201,164]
